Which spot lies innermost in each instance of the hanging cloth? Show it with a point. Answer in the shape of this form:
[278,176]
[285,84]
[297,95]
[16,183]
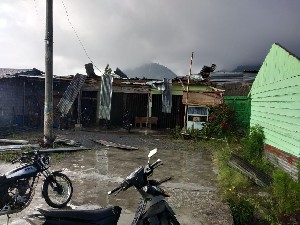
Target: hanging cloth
[167,96]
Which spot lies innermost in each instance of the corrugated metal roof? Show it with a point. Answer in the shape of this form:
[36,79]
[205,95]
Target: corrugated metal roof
[232,77]
[105,97]
[9,73]
[70,94]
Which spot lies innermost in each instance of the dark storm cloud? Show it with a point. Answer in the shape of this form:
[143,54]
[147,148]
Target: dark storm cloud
[128,33]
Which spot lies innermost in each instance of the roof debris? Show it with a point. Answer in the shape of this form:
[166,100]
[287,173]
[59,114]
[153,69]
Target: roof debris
[115,145]
[66,141]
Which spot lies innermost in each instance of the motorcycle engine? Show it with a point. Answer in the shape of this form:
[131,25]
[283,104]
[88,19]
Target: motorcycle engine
[20,191]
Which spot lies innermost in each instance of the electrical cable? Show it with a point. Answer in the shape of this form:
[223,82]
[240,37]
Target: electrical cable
[84,49]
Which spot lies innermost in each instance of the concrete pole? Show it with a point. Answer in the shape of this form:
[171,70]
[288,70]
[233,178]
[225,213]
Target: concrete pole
[48,110]
[187,93]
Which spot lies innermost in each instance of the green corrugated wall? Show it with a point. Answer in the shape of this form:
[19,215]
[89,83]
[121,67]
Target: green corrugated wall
[242,107]
[275,100]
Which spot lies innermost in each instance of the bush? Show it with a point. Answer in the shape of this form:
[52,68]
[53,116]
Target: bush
[176,132]
[221,122]
[253,144]
[286,193]
[242,211]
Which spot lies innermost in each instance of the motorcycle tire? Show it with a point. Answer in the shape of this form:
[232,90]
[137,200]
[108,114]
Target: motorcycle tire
[57,190]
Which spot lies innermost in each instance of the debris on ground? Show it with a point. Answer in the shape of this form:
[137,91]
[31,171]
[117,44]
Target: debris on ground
[17,147]
[115,145]
[61,150]
[10,141]
[258,176]
[66,141]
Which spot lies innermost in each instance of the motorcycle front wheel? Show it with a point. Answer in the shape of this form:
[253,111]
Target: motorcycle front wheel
[173,220]
[57,190]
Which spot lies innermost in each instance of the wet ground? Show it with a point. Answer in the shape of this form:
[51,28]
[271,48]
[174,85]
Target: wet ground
[193,189]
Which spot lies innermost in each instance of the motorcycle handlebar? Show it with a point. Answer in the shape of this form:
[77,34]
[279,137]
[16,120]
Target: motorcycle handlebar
[114,190]
[156,164]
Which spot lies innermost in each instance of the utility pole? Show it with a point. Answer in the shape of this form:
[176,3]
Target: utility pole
[48,108]
[187,93]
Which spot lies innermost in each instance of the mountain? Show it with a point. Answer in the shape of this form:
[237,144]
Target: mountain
[151,71]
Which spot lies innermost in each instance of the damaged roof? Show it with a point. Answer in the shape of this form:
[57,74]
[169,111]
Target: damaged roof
[233,77]
[9,73]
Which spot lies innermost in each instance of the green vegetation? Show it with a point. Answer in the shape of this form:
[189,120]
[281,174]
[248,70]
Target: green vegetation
[253,144]
[278,203]
[221,122]
[286,192]
[249,203]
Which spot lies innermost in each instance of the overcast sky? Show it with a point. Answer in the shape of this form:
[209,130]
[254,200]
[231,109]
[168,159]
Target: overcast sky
[129,33]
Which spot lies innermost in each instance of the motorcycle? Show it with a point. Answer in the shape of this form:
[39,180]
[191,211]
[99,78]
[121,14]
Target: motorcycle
[17,186]
[152,209]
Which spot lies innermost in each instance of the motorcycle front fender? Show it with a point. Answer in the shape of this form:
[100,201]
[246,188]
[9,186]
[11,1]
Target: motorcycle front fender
[169,209]
[159,214]
[153,212]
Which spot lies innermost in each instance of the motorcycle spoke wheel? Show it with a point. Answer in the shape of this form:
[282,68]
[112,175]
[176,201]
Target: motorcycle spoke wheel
[58,193]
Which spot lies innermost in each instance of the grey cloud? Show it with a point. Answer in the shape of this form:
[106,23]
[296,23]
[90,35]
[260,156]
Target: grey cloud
[128,33]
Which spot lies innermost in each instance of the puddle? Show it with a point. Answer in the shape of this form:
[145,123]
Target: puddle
[193,190]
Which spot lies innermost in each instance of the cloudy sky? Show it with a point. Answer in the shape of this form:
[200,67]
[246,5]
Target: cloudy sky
[129,33]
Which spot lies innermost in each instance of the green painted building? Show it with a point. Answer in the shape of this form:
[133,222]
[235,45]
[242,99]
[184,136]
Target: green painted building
[275,105]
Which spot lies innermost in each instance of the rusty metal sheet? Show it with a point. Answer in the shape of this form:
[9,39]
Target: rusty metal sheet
[70,94]
[202,98]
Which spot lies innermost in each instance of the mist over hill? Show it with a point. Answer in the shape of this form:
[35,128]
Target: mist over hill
[243,68]
[151,71]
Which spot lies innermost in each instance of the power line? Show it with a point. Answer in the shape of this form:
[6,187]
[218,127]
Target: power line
[84,49]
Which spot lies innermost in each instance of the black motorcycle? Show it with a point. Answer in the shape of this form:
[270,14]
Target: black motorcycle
[152,209]
[18,185]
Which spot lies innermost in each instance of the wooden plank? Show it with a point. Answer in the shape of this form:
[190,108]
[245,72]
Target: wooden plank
[287,142]
[280,91]
[17,147]
[61,150]
[115,145]
[275,105]
[10,141]
[277,85]
[272,111]
[280,121]
[282,98]
[198,98]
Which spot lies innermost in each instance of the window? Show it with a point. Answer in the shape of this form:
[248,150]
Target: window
[197,113]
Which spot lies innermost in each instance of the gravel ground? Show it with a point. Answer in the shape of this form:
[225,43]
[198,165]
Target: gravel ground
[193,189]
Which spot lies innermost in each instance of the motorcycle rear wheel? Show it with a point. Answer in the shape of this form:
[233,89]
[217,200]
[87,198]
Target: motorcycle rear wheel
[57,190]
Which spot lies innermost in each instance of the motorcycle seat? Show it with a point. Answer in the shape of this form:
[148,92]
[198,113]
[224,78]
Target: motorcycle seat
[83,215]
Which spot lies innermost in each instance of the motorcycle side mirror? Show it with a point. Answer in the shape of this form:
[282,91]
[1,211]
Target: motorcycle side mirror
[151,153]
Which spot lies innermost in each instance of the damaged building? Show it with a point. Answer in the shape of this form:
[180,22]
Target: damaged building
[93,100]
